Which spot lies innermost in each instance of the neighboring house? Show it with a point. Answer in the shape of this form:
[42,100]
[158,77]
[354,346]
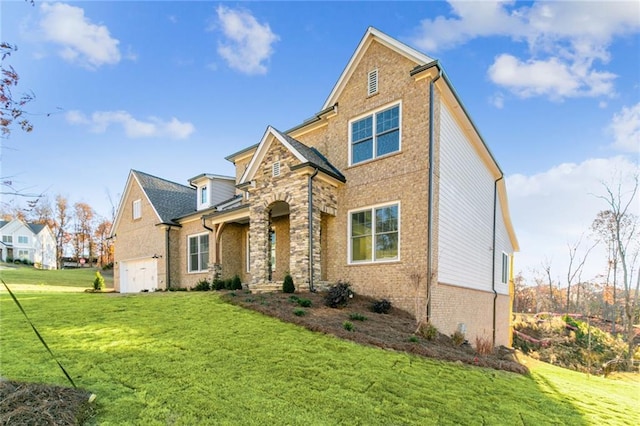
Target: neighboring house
[389,187]
[28,242]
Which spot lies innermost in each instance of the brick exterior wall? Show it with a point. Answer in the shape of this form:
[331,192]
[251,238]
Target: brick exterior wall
[453,306]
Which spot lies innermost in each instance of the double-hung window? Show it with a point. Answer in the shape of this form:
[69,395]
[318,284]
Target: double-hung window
[7,239]
[374,234]
[23,239]
[198,253]
[375,135]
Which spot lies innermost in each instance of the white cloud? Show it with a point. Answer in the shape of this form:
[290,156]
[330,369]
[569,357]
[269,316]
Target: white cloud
[555,207]
[80,40]
[625,127]
[248,44]
[100,121]
[565,38]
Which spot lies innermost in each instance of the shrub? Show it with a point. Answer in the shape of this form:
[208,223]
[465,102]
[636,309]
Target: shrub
[338,295]
[357,317]
[348,325]
[228,284]
[236,282]
[98,282]
[428,331]
[293,299]
[484,346]
[458,338]
[202,285]
[299,312]
[414,339]
[287,284]
[381,306]
[305,303]
[218,284]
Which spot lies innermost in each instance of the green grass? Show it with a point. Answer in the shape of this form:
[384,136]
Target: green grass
[189,358]
[27,275]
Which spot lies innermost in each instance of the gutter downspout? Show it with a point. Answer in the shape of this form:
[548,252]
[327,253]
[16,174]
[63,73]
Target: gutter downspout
[310,188]
[493,253]
[430,193]
[167,263]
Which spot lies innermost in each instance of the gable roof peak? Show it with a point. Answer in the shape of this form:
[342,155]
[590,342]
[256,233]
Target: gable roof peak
[371,34]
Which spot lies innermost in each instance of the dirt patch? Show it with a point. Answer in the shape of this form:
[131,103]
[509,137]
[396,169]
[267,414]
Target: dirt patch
[394,330]
[38,404]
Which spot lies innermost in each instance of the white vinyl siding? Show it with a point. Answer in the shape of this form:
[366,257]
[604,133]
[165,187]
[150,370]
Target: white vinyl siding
[466,212]
[503,248]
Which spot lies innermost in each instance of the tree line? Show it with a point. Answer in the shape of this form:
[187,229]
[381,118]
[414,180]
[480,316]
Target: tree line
[613,294]
[79,231]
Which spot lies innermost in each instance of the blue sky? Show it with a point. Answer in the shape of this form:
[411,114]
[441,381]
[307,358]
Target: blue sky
[171,88]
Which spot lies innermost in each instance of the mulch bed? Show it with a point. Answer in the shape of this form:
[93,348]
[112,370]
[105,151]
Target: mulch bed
[389,331]
[40,404]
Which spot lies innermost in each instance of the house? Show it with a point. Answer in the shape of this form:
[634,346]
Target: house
[389,187]
[32,243]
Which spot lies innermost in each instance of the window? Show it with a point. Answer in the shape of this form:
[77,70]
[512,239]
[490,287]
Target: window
[137,209]
[7,239]
[505,268]
[203,195]
[198,253]
[375,135]
[23,240]
[374,234]
[372,82]
[275,169]
[23,254]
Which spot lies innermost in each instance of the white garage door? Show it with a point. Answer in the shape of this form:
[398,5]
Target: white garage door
[138,275]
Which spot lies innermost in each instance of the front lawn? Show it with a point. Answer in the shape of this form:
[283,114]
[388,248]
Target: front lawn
[22,275]
[189,358]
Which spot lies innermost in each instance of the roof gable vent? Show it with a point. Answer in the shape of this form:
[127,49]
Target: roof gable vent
[275,169]
[372,86]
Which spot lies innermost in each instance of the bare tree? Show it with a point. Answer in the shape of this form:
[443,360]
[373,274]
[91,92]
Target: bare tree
[576,264]
[83,233]
[624,235]
[103,243]
[61,219]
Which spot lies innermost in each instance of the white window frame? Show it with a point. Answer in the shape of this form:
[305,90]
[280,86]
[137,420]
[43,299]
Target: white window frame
[23,239]
[204,195]
[372,82]
[190,270]
[373,260]
[137,209]
[504,279]
[373,124]
[7,239]
[23,254]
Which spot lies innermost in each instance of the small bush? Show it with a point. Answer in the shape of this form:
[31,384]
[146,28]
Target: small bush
[483,345]
[414,339]
[287,284]
[299,312]
[202,285]
[381,306]
[305,303]
[338,295]
[228,284]
[357,317]
[218,284]
[428,331]
[236,282]
[348,325]
[98,282]
[294,299]
[458,338]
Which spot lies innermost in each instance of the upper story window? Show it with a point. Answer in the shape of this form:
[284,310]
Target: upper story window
[137,209]
[374,234]
[7,239]
[198,253]
[505,268]
[204,195]
[23,239]
[372,82]
[375,135]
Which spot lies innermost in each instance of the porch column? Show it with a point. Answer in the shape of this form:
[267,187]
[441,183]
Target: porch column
[259,233]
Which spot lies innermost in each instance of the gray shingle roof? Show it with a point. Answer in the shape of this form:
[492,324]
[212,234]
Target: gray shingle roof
[171,200]
[36,227]
[313,156]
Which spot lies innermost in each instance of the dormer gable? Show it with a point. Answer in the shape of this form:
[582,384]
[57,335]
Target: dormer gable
[212,189]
